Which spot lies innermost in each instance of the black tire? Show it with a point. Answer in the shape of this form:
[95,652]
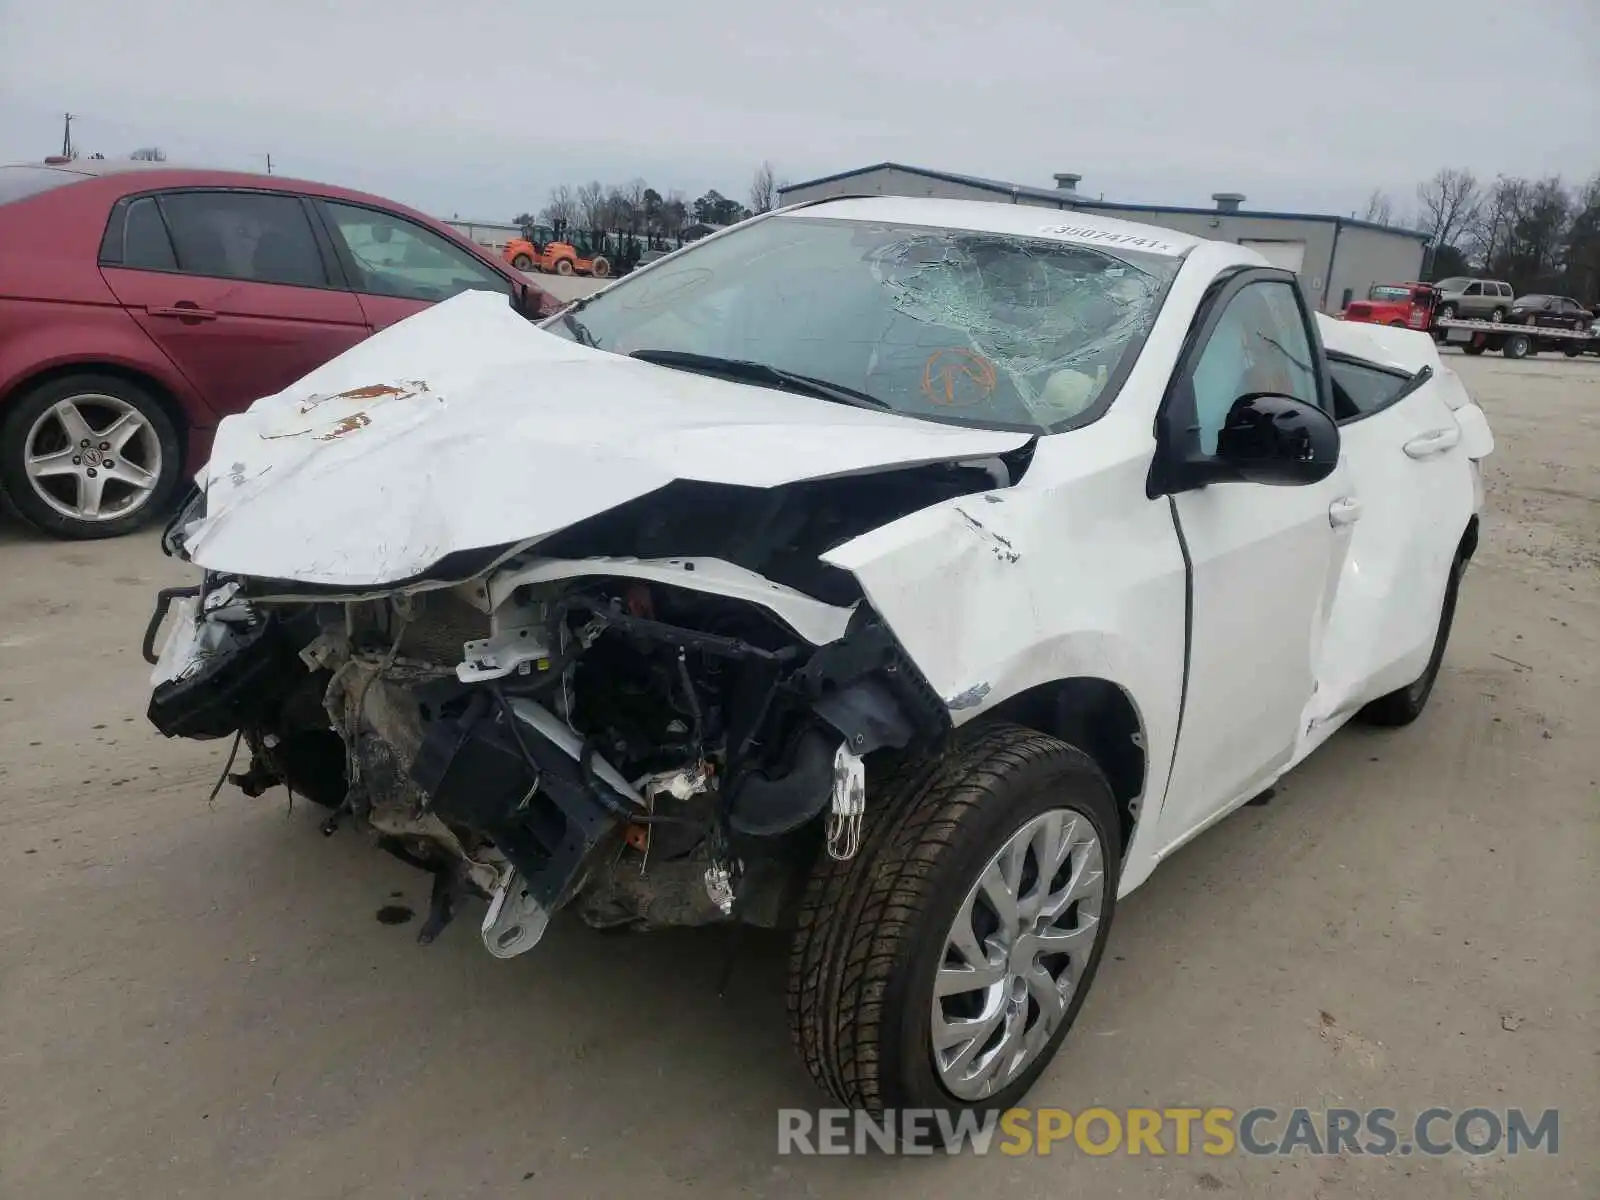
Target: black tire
[1404,705]
[1446,312]
[872,930]
[1517,345]
[25,496]
[601,267]
[1498,315]
[1473,348]
[563,266]
[522,262]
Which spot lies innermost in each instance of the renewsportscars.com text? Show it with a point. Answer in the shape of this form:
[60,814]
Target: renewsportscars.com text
[1178,1131]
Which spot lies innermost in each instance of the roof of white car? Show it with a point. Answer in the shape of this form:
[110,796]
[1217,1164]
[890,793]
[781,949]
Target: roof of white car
[1022,220]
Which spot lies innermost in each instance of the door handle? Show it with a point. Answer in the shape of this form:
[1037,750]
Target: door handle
[184,310]
[1435,441]
[1346,510]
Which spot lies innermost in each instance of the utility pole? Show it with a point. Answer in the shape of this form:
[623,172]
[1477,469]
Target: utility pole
[66,138]
[269,164]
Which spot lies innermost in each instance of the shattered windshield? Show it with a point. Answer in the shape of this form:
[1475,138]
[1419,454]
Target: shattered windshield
[988,329]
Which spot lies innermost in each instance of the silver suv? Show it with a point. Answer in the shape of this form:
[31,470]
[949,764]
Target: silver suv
[1473,299]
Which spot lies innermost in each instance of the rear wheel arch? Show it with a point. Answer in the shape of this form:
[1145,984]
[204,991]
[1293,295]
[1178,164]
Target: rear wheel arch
[159,391]
[1098,717]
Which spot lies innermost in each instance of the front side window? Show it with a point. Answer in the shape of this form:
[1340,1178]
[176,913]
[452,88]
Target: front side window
[1473,289]
[1259,345]
[964,326]
[395,257]
[253,236]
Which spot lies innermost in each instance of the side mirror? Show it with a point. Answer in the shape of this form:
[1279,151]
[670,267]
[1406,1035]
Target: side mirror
[1279,440]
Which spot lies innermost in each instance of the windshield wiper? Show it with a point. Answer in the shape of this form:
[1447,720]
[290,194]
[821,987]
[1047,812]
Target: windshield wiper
[761,373]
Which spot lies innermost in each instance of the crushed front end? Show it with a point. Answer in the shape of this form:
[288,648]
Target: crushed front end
[650,743]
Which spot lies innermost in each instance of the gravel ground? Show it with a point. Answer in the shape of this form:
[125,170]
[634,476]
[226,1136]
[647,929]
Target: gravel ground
[197,1000]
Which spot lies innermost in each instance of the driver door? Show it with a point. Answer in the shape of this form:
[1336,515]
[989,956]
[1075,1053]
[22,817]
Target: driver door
[397,267]
[1263,559]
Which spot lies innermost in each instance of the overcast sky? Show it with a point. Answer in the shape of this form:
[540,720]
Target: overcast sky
[476,107]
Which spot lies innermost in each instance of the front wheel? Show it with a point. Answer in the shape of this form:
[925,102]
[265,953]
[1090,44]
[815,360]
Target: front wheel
[89,456]
[600,268]
[944,964]
[522,262]
[563,266]
[1447,312]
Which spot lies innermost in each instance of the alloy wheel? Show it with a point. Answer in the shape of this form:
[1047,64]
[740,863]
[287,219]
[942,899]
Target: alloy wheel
[1015,952]
[92,457]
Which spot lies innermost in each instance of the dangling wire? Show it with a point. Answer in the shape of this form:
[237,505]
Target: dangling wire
[226,767]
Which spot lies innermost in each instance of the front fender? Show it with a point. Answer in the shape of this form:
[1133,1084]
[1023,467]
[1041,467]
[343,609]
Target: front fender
[995,593]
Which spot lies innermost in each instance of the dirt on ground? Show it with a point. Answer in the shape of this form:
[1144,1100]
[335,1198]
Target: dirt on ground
[202,999]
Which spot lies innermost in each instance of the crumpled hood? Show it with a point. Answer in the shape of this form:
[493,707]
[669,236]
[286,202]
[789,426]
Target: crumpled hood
[466,427]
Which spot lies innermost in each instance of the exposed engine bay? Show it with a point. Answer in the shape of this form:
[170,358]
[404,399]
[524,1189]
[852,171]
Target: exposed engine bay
[650,741]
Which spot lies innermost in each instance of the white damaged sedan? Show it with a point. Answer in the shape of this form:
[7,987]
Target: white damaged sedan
[915,575]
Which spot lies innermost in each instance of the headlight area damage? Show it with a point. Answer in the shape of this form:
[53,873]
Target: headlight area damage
[650,741]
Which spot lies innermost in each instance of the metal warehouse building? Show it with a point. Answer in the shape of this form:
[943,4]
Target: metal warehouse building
[1337,258]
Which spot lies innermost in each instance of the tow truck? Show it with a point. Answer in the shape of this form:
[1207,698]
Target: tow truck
[1413,305]
[1513,341]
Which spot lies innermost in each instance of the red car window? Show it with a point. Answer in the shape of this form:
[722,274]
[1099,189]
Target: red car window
[254,236]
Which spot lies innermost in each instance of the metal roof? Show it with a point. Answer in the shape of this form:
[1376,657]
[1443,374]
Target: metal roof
[1069,199]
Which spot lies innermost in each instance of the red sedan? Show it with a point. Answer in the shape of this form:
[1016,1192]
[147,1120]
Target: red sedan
[140,304]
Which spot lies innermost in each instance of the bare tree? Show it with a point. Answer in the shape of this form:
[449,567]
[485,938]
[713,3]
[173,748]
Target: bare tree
[591,199]
[1489,232]
[763,189]
[562,211]
[632,195]
[1380,208]
[1450,202]
[149,154]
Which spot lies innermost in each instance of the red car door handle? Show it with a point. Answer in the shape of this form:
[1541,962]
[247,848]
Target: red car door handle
[184,310]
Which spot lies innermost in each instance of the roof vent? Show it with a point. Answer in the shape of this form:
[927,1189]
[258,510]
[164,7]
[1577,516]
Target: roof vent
[1067,182]
[1228,201]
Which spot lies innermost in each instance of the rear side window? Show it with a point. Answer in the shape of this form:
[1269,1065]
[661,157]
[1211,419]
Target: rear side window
[252,236]
[20,182]
[145,243]
[1504,289]
[1361,389]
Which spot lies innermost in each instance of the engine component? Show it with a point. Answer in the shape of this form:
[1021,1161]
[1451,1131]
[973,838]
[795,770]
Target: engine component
[515,921]
[253,666]
[765,803]
[719,886]
[534,792]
